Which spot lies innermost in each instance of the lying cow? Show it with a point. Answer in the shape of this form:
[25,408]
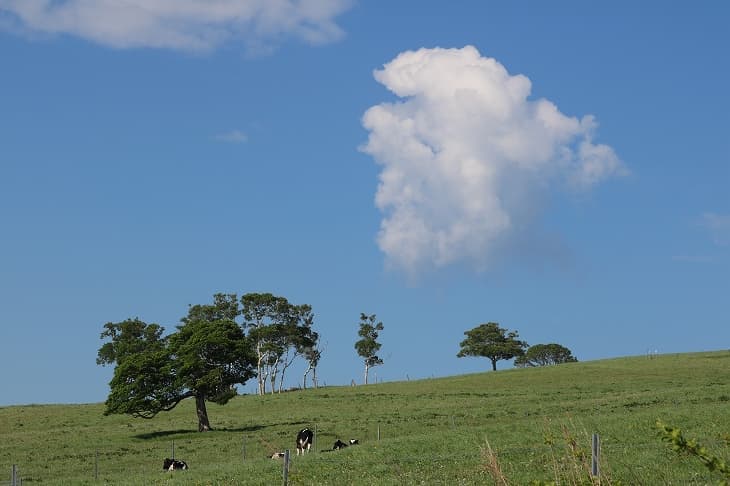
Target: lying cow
[172,464]
[341,445]
[278,455]
[305,437]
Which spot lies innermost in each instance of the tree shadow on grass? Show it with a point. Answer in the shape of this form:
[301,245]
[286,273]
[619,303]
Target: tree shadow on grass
[168,433]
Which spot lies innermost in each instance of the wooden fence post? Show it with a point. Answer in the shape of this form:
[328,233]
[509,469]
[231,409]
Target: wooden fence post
[14,476]
[595,455]
[96,466]
[286,467]
[243,449]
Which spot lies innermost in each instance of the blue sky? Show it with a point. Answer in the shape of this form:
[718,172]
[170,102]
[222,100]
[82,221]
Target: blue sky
[561,169]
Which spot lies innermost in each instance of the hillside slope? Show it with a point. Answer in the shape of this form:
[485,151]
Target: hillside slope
[427,431]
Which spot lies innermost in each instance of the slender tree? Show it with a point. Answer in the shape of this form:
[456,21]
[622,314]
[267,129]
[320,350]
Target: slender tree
[368,346]
[263,313]
[312,355]
[280,331]
[493,342]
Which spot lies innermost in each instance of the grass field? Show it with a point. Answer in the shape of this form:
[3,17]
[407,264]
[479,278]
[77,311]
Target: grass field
[538,422]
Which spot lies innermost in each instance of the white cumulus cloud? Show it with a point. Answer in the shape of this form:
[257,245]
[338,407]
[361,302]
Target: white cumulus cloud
[193,25]
[464,151]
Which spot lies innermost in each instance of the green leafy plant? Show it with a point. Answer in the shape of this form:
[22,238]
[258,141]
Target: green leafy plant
[680,444]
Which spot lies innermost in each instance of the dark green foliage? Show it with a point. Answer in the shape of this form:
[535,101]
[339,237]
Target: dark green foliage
[211,354]
[544,355]
[207,356]
[493,342]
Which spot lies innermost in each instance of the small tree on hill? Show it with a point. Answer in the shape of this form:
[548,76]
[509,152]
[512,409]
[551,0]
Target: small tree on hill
[544,355]
[368,346]
[491,341]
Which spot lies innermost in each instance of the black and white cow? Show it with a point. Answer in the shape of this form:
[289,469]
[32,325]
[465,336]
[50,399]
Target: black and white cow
[305,437]
[172,464]
[278,455]
[341,445]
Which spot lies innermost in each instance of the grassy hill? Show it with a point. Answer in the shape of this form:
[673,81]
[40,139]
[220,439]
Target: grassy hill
[537,421]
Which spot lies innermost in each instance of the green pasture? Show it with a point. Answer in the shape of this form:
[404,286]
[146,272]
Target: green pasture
[538,423]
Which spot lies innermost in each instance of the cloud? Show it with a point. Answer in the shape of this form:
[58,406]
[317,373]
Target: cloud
[719,226]
[191,25]
[465,154]
[234,136]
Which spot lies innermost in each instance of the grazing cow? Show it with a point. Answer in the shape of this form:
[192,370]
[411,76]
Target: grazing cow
[172,464]
[305,437]
[278,455]
[354,441]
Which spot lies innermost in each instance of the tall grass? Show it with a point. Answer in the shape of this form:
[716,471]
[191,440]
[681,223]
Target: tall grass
[431,431]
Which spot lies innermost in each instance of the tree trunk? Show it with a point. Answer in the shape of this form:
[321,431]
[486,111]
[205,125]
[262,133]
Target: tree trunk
[367,368]
[494,364]
[304,382]
[203,423]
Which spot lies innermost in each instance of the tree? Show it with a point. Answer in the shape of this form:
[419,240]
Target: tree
[211,355]
[368,346]
[143,383]
[280,332]
[297,337]
[312,355]
[205,358]
[261,313]
[491,341]
[545,354]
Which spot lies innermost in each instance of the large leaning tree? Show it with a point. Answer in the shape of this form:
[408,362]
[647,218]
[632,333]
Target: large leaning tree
[368,346]
[204,359]
[545,355]
[493,342]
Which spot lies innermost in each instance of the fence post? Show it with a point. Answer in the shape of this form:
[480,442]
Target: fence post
[173,450]
[378,432]
[96,466]
[14,476]
[286,467]
[595,455]
[243,449]
[314,440]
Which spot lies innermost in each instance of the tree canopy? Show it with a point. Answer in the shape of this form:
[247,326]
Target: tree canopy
[493,342]
[544,355]
[205,358]
[280,332]
[368,346]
